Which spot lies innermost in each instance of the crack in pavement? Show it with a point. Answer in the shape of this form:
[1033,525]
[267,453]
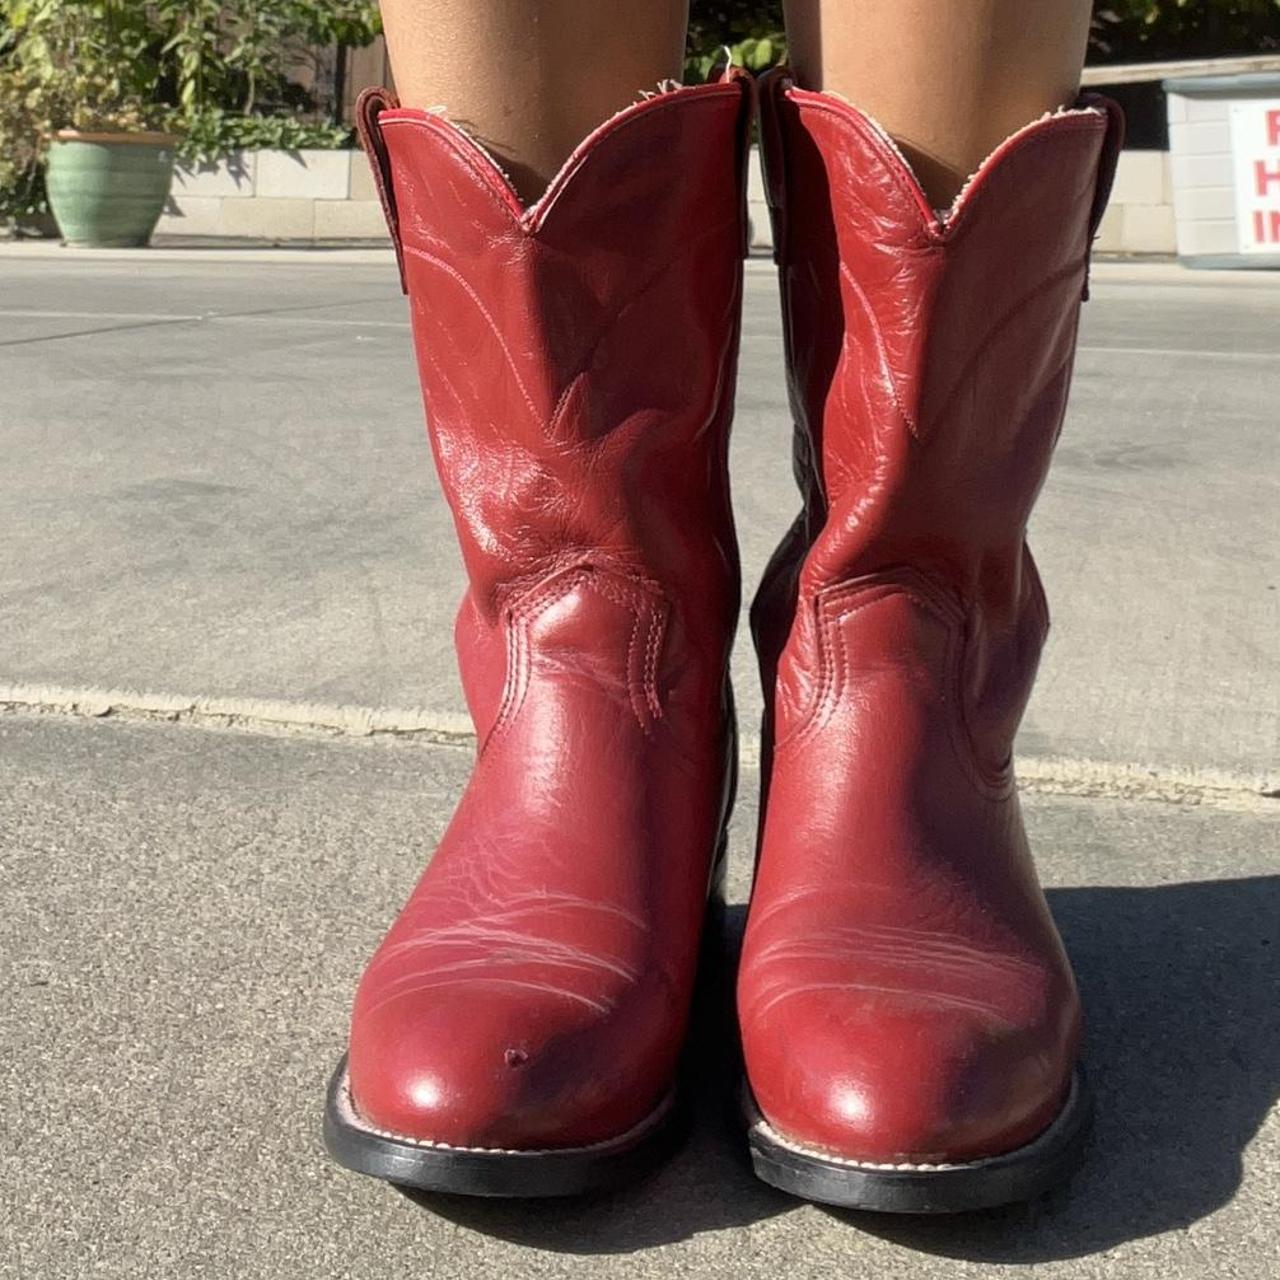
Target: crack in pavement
[153,320]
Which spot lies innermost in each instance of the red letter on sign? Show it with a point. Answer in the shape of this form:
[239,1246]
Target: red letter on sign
[1266,226]
[1264,177]
[1273,128]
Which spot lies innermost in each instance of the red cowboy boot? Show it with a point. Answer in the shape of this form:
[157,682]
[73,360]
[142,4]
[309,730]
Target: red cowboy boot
[909,1018]
[517,1032]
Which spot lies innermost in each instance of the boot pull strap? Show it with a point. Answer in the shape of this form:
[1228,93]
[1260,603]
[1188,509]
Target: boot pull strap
[368,107]
[746,82]
[771,89]
[1112,141]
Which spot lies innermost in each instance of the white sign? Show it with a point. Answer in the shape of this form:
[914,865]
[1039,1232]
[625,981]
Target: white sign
[1255,153]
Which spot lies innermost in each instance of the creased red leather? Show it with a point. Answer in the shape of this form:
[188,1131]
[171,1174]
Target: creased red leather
[577,360]
[904,996]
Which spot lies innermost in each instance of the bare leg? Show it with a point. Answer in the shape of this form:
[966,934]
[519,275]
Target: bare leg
[949,79]
[531,78]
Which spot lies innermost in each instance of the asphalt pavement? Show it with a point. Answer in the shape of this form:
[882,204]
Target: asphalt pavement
[230,731]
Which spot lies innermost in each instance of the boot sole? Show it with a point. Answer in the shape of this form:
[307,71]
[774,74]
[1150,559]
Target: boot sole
[481,1171]
[1022,1174]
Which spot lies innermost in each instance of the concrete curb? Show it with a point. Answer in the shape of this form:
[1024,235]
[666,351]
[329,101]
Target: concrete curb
[1048,775]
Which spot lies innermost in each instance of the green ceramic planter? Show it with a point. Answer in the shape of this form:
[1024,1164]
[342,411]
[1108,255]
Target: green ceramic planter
[107,190]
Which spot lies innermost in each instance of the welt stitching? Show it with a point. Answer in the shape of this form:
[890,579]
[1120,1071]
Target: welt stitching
[643,600]
[518,658]
[607,583]
[835,607]
[840,664]
[605,586]
[510,683]
[822,619]
[850,597]
[657,626]
[636,699]
[535,601]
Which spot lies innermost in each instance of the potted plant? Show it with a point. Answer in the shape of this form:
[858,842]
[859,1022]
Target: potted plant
[90,68]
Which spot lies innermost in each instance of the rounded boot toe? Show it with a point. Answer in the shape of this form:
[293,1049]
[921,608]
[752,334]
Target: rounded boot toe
[902,1088]
[488,1072]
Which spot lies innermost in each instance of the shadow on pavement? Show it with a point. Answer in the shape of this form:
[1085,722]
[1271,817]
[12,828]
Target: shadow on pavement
[1182,989]
[1182,994]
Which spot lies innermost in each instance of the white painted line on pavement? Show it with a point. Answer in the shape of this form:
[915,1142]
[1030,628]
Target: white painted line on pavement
[285,319]
[1040,775]
[282,319]
[1178,351]
[31,314]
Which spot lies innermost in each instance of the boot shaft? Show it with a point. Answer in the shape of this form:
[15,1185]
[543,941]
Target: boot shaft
[929,358]
[929,354]
[577,356]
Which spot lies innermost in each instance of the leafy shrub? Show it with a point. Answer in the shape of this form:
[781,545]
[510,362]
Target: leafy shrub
[1123,31]
[750,31]
[213,131]
[1151,30]
[220,74]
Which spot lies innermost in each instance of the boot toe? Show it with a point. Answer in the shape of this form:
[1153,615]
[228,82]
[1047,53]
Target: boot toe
[503,1072]
[903,1086]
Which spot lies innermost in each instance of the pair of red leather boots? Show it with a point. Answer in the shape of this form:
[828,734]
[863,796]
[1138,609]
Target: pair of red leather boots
[909,1020]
